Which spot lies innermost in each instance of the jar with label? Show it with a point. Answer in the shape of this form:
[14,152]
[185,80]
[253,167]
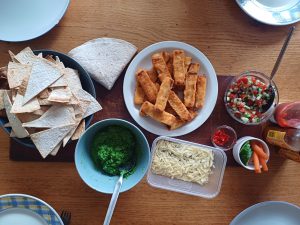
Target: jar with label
[286,138]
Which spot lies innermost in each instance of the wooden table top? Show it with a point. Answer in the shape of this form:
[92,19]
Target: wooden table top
[232,41]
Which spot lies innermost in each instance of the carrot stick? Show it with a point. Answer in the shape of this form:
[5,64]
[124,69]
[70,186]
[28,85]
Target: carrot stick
[256,163]
[263,164]
[258,150]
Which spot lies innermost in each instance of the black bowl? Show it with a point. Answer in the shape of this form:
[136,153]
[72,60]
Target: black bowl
[86,82]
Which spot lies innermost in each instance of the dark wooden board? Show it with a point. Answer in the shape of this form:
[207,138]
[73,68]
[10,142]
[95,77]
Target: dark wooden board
[114,107]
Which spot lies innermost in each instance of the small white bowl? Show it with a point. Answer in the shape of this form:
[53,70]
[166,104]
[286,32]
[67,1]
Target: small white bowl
[237,148]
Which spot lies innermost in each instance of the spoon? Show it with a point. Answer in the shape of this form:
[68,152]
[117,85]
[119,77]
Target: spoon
[124,169]
[276,66]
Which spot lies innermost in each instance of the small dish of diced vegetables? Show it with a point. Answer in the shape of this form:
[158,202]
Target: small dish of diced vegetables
[250,99]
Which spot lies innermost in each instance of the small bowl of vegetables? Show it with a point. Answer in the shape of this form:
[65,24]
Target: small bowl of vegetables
[252,153]
[105,148]
[251,98]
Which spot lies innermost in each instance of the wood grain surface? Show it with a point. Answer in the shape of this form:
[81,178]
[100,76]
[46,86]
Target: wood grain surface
[232,41]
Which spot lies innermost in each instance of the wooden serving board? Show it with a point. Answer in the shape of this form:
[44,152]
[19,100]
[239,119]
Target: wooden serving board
[114,107]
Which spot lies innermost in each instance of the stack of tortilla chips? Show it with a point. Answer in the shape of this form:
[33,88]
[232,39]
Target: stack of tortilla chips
[44,101]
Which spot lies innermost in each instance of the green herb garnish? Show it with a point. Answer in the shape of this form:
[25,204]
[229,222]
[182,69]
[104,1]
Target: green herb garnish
[246,153]
[112,148]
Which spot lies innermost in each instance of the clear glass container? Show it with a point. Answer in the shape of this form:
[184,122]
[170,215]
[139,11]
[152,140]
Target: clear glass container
[271,108]
[228,131]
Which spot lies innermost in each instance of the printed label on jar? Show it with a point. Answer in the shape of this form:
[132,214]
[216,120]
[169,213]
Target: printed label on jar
[276,137]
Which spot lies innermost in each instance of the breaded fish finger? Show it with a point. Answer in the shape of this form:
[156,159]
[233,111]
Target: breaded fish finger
[200,92]
[179,107]
[148,86]
[163,117]
[178,67]
[163,94]
[190,90]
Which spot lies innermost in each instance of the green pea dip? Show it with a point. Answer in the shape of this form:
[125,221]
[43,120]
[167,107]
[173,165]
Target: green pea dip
[112,148]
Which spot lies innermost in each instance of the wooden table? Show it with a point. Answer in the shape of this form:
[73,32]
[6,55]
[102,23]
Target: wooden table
[232,41]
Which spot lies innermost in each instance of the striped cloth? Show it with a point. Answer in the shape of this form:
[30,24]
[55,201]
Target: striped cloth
[28,203]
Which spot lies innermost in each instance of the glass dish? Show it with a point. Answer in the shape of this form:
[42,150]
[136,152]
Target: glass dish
[266,114]
[232,137]
[209,190]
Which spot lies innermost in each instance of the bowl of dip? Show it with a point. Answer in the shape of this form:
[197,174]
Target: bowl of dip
[104,148]
[251,98]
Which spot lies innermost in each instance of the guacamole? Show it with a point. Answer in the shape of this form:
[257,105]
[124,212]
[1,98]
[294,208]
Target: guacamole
[112,148]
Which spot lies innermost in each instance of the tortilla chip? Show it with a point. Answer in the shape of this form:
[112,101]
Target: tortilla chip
[12,56]
[79,130]
[57,115]
[60,94]
[7,125]
[44,94]
[56,149]
[45,102]
[12,134]
[26,56]
[71,76]
[81,108]
[82,95]
[26,117]
[43,74]
[61,82]
[50,58]
[46,141]
[16,124]
[2,99]
[3,72]
[41,111]
[16,73]
[30,106]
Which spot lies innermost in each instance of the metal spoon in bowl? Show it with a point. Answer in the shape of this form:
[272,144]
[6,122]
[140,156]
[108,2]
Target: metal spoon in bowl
[276,66]
[124,169]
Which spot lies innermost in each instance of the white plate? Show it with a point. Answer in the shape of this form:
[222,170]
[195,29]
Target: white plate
[272,12]
[28,19]
[143,60]
[23,209]
[269,213]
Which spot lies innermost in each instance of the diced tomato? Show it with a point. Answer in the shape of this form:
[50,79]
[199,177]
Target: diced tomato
[232,96]
[242,110]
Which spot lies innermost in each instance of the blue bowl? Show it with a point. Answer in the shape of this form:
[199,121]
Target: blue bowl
[86,82]
[92,176]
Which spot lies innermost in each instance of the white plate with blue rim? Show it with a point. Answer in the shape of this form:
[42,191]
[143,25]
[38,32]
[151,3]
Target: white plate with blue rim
[269,213]
[272,12]
[25,20]
[26,210]
[143,60]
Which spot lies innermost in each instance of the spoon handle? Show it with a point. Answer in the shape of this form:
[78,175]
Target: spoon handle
[113,201]
[284,47]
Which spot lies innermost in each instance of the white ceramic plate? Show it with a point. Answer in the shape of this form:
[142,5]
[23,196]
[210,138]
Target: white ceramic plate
[143,60]
[269,213]
[272,12]
[25,20]
[26,210]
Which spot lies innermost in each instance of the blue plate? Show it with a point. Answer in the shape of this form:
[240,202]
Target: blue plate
[25,20]
[269,213]
[86,82]
[92,176]
[26,210]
